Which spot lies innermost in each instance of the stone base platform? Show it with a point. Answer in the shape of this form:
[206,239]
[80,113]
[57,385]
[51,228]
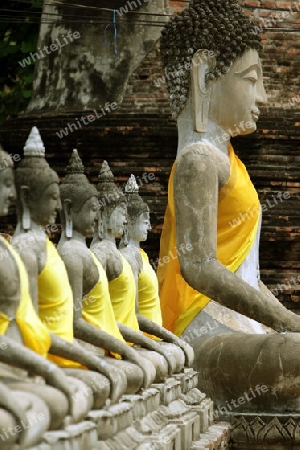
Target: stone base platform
[262,431]
[173,415]
[217,437]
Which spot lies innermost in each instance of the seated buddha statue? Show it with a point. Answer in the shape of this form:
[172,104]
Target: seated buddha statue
[94,319]
[38,201]
[121,282]
[24,343]
[211,294]
[149,311]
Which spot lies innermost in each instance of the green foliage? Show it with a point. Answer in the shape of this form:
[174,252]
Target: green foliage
[18,37]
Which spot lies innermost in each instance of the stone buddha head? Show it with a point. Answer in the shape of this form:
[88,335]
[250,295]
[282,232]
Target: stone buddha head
[79,198]
[38,198]
[112,204]
[138,214]
[210,56]
[7,184]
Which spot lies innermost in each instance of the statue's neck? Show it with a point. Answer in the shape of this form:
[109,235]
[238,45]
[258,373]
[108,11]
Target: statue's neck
[76,236]
[134,243]
[107,236]
[34,227]
[187,134]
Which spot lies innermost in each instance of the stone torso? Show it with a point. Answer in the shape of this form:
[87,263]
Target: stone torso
[10,290]
[122,286]
[82,256]
[110,258]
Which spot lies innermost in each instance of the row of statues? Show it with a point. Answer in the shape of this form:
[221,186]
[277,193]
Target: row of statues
[75,316]
[79,316]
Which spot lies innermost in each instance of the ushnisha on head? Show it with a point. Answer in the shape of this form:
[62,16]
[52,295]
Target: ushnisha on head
[5,159]
[218,26]
[109,195]
[7,185]
[135,204]
[36,184]
[79,198]
[137,213]
[112,204]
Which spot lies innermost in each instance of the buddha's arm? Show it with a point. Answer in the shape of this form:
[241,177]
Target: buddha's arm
[133,257]
[138,338]
[153,328]
[28,255]
[101,255]
[9,402]
[15,354]
[61,347]
[196,211]
[93,335]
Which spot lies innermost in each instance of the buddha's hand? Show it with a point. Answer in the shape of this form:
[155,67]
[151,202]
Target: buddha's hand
[148,369]
[188,351]
[118,383]
[9,402]
[61,381]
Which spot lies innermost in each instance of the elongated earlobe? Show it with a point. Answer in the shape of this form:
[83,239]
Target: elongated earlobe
[201,89]
[100,227]
[26,219]
[68,218]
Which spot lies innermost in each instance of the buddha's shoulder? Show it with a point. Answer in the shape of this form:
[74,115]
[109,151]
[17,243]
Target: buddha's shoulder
[199,149]
[30,244]
[105,245]
[72,249]
[202,156]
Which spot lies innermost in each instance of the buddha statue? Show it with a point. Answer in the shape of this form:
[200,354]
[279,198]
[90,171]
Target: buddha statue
[20,348]
[138,225]
[38,201]
[122,285]
[149,312]
[211,294]
[94,319]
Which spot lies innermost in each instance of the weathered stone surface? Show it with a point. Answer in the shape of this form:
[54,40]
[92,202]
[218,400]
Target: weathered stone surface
[256,431]
[84,72]
[113,420]
[216,438]
[169,390]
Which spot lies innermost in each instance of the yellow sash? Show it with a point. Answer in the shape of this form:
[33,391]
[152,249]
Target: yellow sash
[122,293]
[238,218]
[34,334]
[149,303]
[97,308]
[56,301]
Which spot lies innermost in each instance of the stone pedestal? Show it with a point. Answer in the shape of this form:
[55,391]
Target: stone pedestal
[169,390]
[216,438]
[74,437]
[262,431]
[112,421]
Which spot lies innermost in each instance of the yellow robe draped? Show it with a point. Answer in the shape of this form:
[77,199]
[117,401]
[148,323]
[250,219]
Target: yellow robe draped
[238,218]
[96,306]
[123,293]
[55,298]
[149,303]
[34,333]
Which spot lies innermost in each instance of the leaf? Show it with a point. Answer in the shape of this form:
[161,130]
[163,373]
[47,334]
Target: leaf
[28,78]
[27,93]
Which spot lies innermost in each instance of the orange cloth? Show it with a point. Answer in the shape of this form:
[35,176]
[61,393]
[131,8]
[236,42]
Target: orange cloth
[238,218]
[34,334]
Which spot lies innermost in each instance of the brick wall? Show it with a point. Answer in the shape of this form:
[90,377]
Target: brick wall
[140,137]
